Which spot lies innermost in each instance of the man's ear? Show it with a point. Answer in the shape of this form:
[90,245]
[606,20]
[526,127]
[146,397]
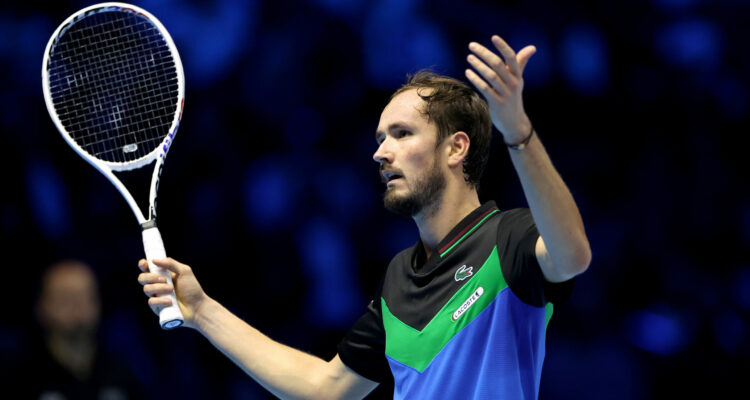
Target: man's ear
[458,148]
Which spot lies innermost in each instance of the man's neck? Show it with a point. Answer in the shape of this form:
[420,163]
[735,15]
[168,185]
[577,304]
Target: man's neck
[437,220]
[76,355]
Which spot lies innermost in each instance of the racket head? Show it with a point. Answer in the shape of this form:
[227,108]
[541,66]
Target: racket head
[114,85]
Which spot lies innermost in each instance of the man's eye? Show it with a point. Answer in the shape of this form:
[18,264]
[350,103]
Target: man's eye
[403,133]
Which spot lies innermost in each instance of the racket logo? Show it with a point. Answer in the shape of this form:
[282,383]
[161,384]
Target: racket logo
[168,140]
[170,136]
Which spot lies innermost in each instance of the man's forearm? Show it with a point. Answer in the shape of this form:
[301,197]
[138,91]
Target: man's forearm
[553,208]
[284,371]
[500,80]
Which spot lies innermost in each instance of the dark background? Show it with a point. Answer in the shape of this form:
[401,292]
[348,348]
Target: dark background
[271,195]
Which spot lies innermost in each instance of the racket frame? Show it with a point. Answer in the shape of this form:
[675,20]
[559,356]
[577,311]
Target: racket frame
[170,317]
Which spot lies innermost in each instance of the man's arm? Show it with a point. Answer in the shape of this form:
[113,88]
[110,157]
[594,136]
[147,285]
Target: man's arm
[563,249]
[284,371]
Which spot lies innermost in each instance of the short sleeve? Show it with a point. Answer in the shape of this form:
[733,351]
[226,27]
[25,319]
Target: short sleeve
[363,348]
[516,241]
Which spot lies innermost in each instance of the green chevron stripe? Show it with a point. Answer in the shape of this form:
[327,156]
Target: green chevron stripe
[417,348]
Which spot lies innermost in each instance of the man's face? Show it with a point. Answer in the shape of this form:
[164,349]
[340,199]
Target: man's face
[410,165]
[69,303]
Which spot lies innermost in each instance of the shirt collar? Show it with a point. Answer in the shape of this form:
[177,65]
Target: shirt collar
[453,238]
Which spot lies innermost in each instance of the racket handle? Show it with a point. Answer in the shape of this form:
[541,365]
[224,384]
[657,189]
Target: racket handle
[169,317]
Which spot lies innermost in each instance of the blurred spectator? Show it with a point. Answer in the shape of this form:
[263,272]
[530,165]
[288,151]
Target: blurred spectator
[68,363]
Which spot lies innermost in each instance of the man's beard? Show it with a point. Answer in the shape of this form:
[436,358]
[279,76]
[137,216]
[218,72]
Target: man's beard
[426,192]
[81,332]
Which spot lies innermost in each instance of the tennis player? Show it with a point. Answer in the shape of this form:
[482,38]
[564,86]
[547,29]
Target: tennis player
[462,314]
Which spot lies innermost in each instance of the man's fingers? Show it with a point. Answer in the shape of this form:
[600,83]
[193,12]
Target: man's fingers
[157,289]
[159,302]
[155,285]
[524,55]
[508,54]
[492,59]
[482,86]
[488,74]
[171,264]
[145,278]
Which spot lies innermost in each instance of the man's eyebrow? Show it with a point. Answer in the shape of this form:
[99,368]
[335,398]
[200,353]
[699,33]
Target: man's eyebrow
[398,125]
[392,127]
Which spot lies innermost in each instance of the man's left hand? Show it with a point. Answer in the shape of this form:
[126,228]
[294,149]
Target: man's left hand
[500,80]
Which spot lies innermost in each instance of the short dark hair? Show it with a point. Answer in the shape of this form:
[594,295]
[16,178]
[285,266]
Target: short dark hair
[453,106]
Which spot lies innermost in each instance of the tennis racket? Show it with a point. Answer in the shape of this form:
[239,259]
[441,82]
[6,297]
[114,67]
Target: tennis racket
[114,87]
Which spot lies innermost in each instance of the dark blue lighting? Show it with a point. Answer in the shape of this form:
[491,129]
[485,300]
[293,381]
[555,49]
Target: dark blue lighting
[607,238]
[24,40]
[268,79]
[341,8]
[662,333]
[614,372]
[11,219]
[304,127]
[48,199]
[732,95]
[205,201]
[122,340]
[10,341]
[741,289]
[675,5]
[268,194]
[585,63]
[242,388]
[538,71]
[327,256]
[729,330]
[343,191]
[11,115]
[210,38]
[397,41]
[693,44]
[345,94]
[398,235]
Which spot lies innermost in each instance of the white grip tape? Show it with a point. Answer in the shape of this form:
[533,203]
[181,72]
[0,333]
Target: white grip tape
[169,317]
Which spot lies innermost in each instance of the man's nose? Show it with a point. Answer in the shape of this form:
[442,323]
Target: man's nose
[383,154]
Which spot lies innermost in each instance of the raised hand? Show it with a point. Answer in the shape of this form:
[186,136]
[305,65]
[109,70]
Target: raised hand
[500,80]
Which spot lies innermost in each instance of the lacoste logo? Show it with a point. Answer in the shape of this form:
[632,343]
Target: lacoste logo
[463,273]
[468,303]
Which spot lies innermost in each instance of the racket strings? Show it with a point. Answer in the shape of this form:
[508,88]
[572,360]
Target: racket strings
[142,109]
[120,117]
[114,52]
[114,84]
[118,112]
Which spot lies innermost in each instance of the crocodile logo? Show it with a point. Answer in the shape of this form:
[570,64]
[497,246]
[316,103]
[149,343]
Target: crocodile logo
[463,273]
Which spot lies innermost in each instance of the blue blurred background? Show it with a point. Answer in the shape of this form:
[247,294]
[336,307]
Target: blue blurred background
[271,195]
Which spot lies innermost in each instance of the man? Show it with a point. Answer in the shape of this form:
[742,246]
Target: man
[70,364]
[462,313]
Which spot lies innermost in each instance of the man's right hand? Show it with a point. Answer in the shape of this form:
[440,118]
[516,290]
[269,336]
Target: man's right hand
[190,295]
[284,371]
